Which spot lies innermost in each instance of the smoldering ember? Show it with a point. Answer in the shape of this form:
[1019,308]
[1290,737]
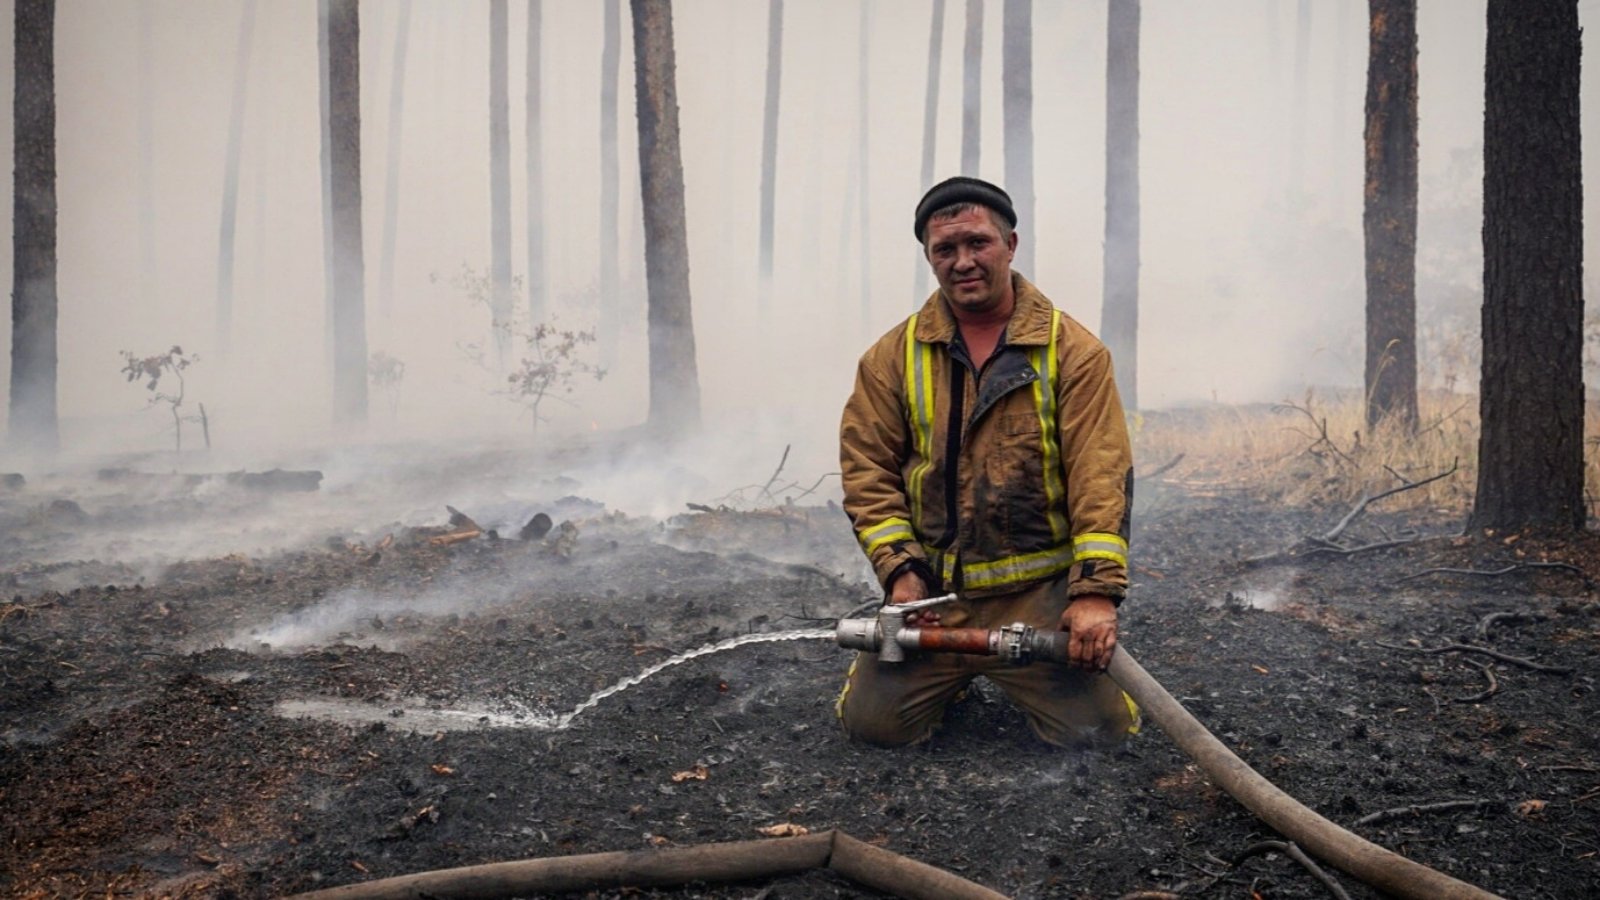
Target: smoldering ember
[514,449]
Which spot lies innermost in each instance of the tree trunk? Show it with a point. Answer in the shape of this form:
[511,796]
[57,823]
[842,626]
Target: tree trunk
[610,305]
[344,130]
[1017,81]
[538,281]
[391,160]
[769,142]
[930,128]
[330,262]
[1390,221]
[32,424]
[863,159]
[972,89]
[499,181]
[1119,310]
[1530,453]
[149,282]
[674,382]
[230,180]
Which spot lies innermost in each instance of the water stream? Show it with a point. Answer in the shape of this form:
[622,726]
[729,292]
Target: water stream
[418,716]
[565,720]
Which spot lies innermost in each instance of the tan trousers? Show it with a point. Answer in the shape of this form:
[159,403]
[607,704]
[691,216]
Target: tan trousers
[893,704]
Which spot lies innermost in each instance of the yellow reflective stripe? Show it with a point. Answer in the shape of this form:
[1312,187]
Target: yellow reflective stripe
[887,532]
[838,705]
[1017,569]
[919,395]
[1044,400]
[1133,713]
[1099,545]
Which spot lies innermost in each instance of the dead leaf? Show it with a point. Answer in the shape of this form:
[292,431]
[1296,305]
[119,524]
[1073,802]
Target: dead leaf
[698,773]
[657,840]
[442,769]
[784,829]
[1262,670]
[1528,808]
[1511,539]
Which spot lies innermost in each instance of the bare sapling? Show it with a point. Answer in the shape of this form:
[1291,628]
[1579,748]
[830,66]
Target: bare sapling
[171,366]
[552,360]
[386,372]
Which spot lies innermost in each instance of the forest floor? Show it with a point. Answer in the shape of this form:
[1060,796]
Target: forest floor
[375,703]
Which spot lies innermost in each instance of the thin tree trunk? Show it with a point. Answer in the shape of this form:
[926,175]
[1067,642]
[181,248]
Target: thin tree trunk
[769,142]
[1017,81]
[31,422]
[1119,311]
[230,179]
[1530,451]
[330,263]
[344,125]
[674,382]
[1300,109]
[149,282]
[863,159]
[610,312]
[1390,220]
[391,159]
[538,280]
[972,89]
[500,299]
[930,128]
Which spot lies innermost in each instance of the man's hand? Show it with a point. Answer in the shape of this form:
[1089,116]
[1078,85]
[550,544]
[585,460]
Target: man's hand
[908,587]
[1090,621]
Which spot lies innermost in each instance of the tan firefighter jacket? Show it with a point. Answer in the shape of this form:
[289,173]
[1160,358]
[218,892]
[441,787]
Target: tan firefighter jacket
[993,485]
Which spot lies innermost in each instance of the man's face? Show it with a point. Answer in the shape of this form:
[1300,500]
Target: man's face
[971,260]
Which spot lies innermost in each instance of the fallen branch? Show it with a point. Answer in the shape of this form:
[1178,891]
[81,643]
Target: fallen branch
[1293,851]
[1366,501]
[1495,573]
[1486,693]
[1384,815]
[1485,623]
[1351,551]
[455,537]
[1469,648]
[1164,468]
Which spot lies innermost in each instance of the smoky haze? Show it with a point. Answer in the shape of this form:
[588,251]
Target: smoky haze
[1251,284]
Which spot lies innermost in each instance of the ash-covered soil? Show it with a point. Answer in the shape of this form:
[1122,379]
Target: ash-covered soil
[253,725]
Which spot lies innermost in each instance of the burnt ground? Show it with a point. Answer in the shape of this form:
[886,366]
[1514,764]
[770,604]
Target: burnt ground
[145,749]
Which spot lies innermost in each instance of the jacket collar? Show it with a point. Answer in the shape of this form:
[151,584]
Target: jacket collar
[1029,325]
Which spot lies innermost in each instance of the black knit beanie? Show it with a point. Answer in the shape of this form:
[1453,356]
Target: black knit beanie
[962,189]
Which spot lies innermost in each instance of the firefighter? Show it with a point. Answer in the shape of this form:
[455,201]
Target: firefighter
[984,452]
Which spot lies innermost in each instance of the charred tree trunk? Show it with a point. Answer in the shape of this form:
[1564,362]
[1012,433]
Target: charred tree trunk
[769,142]
[972,90]
[1017,81]
[610,313]
[930,128]
[1119,310]
[230,180]
[863,160]
[1530,452]
[391,160]
[1390,220]
[32,423]
[499,181]
[349,289]
[538,281]
[674,381]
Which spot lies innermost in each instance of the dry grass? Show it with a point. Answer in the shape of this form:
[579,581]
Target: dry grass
[1317,451]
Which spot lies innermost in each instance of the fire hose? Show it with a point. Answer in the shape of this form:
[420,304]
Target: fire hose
[890,637]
